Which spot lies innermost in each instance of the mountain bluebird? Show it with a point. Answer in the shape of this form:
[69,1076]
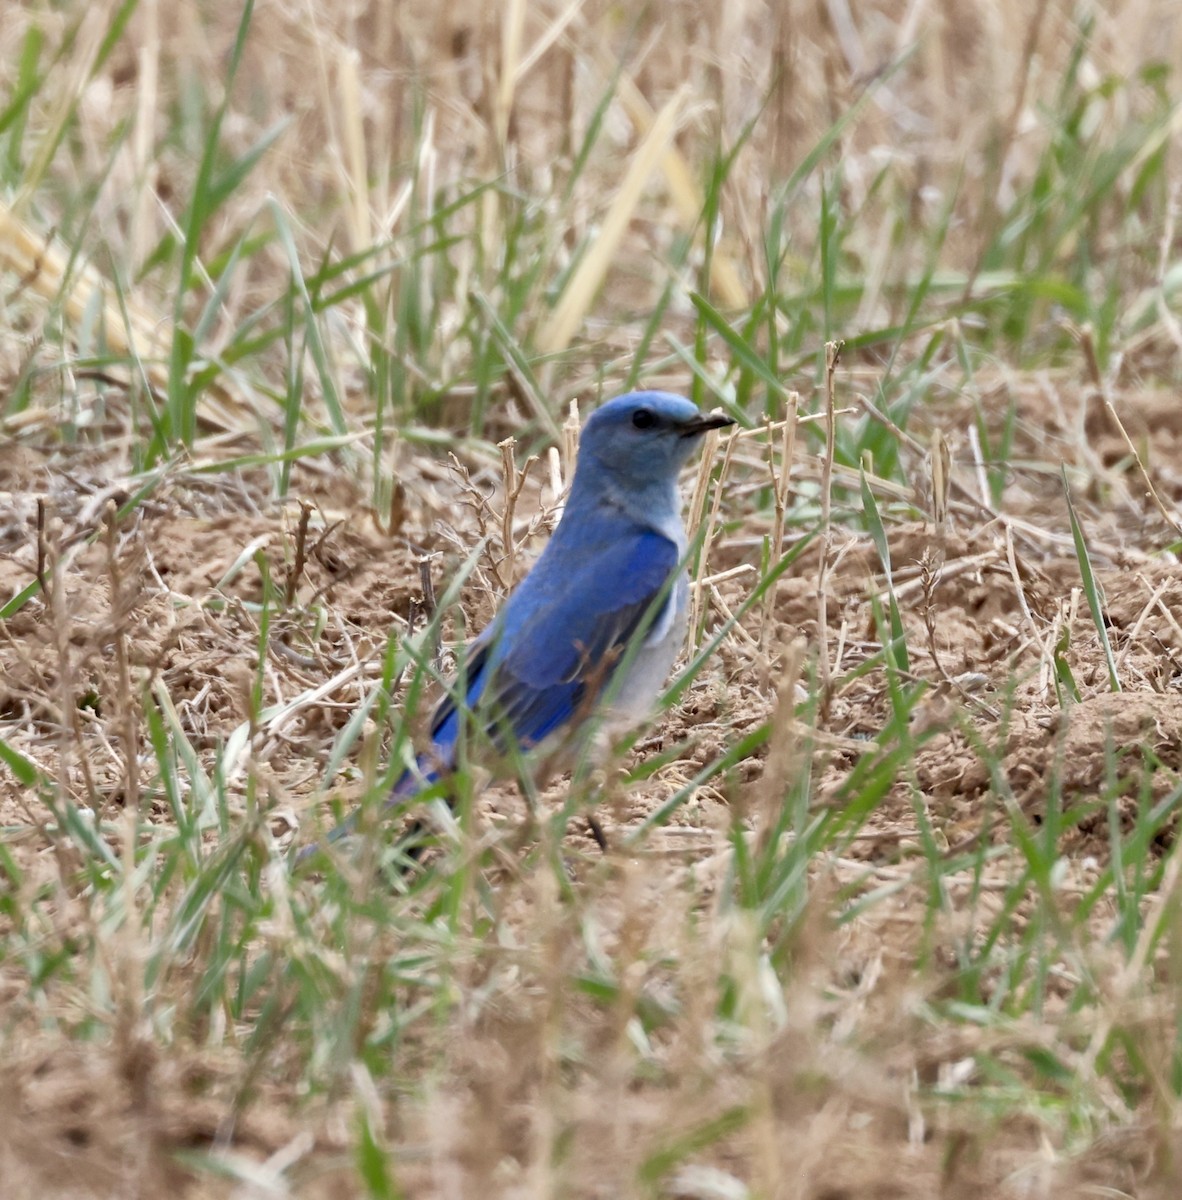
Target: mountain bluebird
[560,649]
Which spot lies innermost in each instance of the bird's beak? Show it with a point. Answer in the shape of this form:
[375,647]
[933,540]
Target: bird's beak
[704,423]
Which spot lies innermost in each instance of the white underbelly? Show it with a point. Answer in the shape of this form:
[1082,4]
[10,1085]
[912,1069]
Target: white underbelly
[633,695]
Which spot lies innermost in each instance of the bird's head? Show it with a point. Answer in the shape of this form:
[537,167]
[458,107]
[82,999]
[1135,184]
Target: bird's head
[644,437]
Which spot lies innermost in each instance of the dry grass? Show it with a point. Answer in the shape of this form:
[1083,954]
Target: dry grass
[889,901]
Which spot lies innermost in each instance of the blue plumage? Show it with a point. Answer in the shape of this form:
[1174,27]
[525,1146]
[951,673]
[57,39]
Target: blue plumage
[560,648]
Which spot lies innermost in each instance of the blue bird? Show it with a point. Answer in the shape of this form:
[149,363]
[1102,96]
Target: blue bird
[559,650]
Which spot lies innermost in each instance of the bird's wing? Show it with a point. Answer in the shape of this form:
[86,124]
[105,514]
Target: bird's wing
[559,644]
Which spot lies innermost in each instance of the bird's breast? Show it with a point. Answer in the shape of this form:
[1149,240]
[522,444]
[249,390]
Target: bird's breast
[672,611]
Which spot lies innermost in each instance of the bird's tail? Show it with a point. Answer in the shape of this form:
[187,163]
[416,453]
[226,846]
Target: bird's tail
[411,783]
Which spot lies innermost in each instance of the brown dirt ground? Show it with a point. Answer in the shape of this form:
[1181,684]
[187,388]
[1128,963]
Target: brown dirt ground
[993,614]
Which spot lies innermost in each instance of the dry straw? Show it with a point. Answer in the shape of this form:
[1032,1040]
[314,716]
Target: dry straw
[582,287]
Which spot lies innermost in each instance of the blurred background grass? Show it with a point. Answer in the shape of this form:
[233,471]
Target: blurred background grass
[463,219]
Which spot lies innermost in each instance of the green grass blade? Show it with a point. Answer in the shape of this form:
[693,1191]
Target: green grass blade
[1091,586]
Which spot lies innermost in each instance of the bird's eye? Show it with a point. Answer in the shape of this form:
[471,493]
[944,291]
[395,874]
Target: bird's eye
[642,418]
